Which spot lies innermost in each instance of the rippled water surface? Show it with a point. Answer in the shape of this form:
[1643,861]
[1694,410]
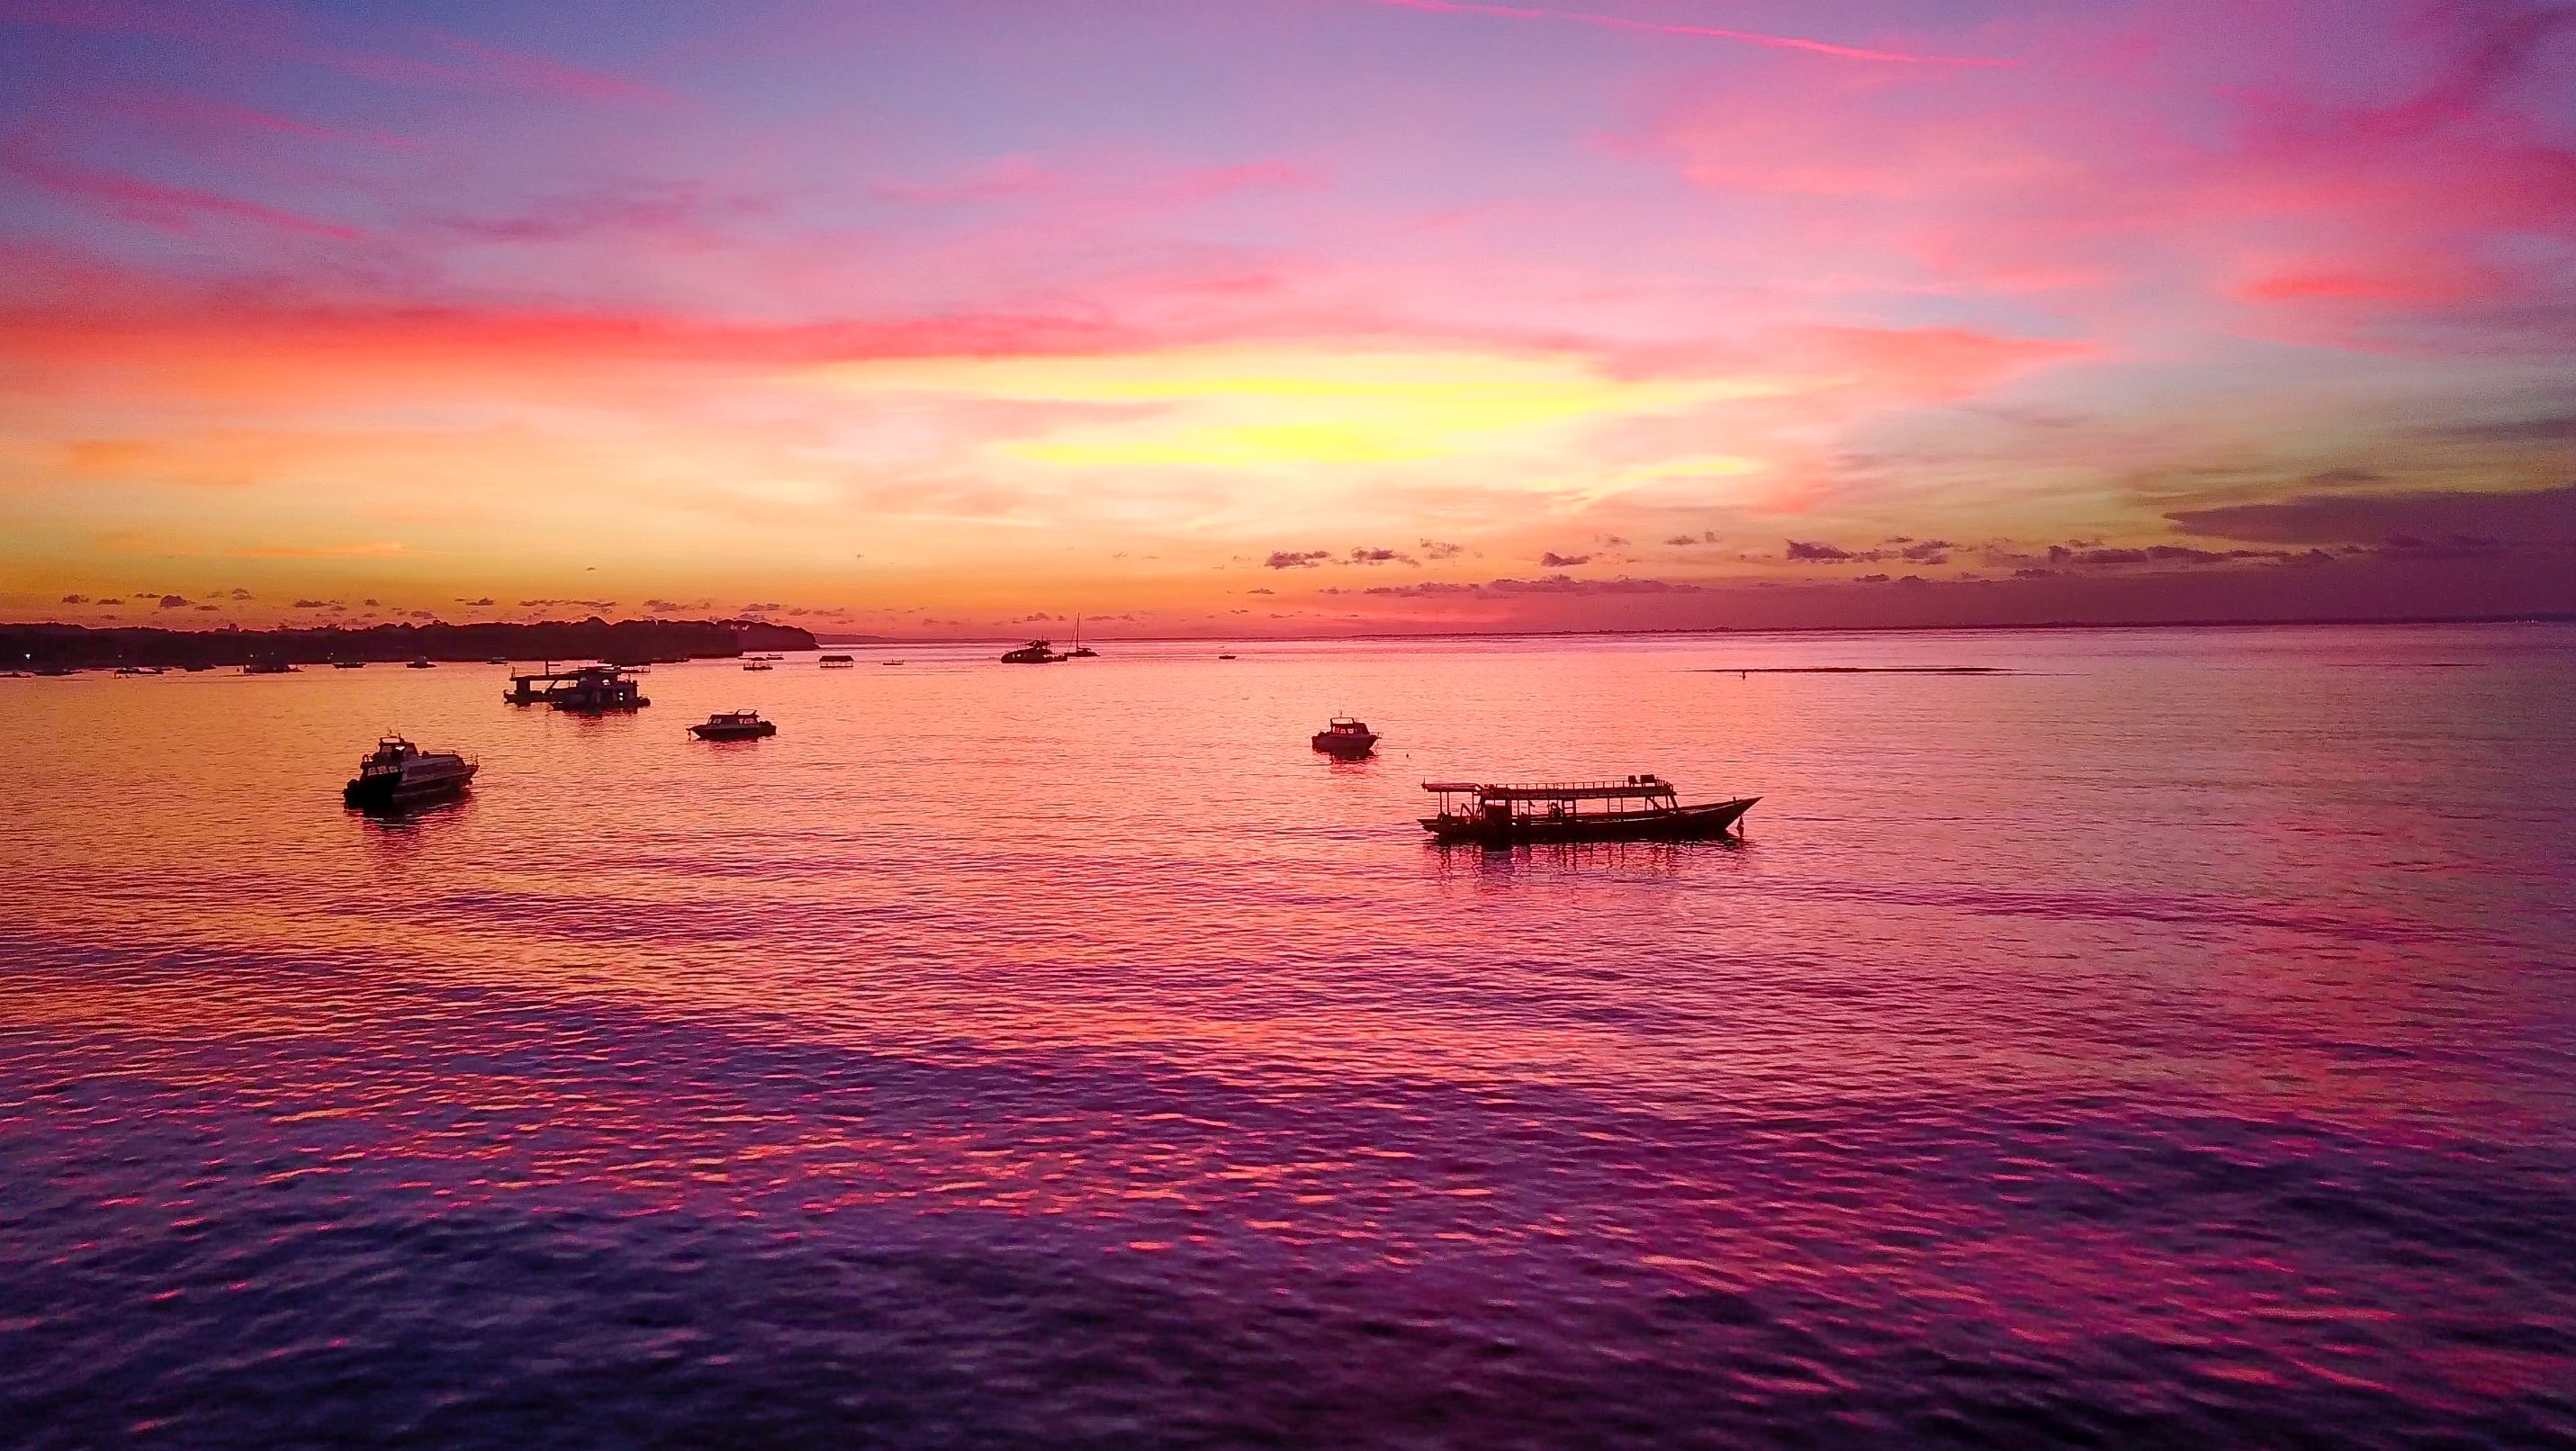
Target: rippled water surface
[2171,1040]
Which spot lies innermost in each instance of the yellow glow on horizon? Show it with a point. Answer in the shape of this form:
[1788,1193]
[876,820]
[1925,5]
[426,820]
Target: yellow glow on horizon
[1273,407]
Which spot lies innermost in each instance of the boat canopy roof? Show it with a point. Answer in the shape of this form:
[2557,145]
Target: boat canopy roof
[1558,790]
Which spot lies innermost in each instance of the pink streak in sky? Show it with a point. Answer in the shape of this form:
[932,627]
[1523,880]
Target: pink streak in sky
[1708,32]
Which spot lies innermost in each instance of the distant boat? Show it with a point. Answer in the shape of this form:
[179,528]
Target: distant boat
[757,663]
[733,725]
[496,659]
[138,669]
[399,774]
[1035,652]
[348,664]
[1346,738]
[837,662]
[268,667]
[1225,657]
[421,662]
[1640,808]
[1080,651]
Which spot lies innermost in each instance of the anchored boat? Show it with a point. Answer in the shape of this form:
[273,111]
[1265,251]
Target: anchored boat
[734,725]
[1035,652]
[1346,738]
[838,662]
[400,774]
[1639,808]
[585,690]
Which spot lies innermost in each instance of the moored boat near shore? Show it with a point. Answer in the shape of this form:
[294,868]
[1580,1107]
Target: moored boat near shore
[1638,808]
[584,690]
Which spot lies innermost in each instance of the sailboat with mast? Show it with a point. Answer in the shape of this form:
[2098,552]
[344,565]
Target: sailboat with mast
[1080,651]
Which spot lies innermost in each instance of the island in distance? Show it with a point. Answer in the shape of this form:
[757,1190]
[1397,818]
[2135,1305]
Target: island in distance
[631,642]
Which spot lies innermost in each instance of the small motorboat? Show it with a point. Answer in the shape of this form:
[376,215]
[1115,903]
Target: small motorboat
[1346,739]
[348,664]
[421,662]
[138,669]
[400,775]
[1035,652]
[837,662]
[496,659]
[1640,808]
[1225,657]
[757,663]
[734,725]
[268,667]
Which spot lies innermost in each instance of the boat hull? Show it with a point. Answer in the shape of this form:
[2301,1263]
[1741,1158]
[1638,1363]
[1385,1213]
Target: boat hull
[733,733]
[1347,748]
[1685,823]
[392,793]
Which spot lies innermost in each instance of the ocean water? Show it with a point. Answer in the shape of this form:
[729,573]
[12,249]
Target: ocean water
[2167,1039]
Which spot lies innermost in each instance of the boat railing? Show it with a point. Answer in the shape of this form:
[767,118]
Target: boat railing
[1631,787]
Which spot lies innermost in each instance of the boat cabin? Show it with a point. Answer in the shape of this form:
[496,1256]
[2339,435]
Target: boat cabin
[1554,801]
[390,755]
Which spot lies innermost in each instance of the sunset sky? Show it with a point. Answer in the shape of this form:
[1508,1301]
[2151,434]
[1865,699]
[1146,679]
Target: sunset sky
[1275,316]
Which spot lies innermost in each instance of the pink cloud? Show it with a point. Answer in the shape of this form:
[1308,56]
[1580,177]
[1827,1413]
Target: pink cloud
[1700,32]
[2121,176]
[166,208]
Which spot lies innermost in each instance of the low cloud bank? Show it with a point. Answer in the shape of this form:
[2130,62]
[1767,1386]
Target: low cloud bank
[2536,517]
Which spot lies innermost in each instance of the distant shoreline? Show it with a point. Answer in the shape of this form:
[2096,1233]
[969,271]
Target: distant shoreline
[55,646]
[2546,617]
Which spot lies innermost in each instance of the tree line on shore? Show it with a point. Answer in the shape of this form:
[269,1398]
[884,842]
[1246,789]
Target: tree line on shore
[633,642]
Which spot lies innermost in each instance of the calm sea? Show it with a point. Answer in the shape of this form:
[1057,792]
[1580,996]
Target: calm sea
[2168,1039]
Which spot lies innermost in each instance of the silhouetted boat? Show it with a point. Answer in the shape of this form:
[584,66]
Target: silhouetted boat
[400,774]
[757,663]
[348,664]
[1640,808]
[421,662]
[733,725]
[1347,738]
[587,689]
[1035,652]
[837,662]
[1080,651]
[268,667]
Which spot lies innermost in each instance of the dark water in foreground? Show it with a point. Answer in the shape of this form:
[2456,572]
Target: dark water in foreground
[2168,1045]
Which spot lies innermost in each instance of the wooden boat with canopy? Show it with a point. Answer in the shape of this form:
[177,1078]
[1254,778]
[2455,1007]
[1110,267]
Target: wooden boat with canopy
[1638,808]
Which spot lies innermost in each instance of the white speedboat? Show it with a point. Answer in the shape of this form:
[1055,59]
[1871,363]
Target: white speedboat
[400,774]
